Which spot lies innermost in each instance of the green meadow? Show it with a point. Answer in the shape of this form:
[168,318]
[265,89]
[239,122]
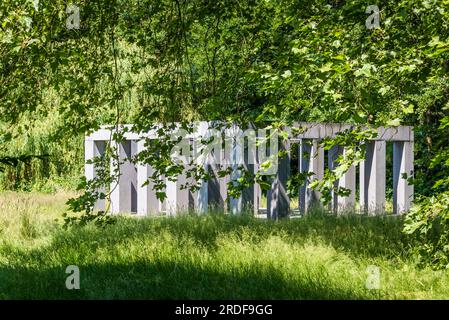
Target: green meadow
[215,256]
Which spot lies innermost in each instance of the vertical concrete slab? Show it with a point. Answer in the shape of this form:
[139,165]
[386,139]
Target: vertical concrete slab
[147,202]
[236,159]
[202,195]
[249,192]
[278,204]
[215,201]
[163,204]
[311,160]
[124,191]
[223,181]
[94,149]
[332,156]
[304,157]
[179,199]
[242,155]
[267,153]
[217,192]
[209,145]
[372,178]
[316,164]
[256,188]
[171,197]
[402,169]
[347,182]
[202,153]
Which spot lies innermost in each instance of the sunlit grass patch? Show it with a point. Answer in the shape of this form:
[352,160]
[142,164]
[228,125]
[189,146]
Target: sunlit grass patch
[214,256]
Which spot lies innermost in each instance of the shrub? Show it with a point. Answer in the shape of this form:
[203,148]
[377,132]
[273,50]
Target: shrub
[429,222]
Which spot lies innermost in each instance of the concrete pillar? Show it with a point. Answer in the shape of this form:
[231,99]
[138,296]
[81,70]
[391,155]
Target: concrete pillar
[202,195]
[278,201]
[215,200]
[208,154]
[332,156]
[249,192]
[311,160]
[217,187]
[372,178]
[239,157]
[340,204]
[402,169]
[202,158]
[124,191]
[223,181]
[94,149]
[256,188]
[267,153]
[347,182]
[147,202]
[179,199]
[236,158]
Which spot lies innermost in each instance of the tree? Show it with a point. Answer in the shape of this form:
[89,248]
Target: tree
[274,62]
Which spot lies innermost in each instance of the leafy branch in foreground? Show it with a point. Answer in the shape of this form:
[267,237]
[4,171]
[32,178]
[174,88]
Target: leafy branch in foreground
[10,161]
[144,62]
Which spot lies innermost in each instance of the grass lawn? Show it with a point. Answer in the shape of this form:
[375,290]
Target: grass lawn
[208,257]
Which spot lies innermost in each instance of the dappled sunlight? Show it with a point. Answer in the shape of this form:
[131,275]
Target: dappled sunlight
[215,256]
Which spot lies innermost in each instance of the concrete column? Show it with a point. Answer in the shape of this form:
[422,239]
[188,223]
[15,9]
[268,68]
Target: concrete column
[249,192]
[163,204]
[332,156]
[347,181]
[202,158]
[402,169]
[223,181]
[240,156]
[278,201]
[347,203]
[311,160]
[236,159]
[202,195]
[124,191]
[256,188]
[94,149]
[215,200]
[147,202]
[217,188]
[372,178]
[208,154]
[179,200]
[267,153]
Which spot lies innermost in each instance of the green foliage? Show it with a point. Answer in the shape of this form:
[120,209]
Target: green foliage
[429,221]
[354,153]
[43,160]
[265,62]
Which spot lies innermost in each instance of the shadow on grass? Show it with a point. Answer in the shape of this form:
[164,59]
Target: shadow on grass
[163,280]
[355,235]
[40,273]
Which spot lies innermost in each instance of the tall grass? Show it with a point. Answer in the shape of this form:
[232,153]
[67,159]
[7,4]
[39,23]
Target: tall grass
[213,256]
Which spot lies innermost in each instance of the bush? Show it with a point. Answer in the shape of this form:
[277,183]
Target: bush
[429,222]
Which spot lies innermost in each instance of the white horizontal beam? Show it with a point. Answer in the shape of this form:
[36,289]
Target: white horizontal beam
[306,131]
[330,130]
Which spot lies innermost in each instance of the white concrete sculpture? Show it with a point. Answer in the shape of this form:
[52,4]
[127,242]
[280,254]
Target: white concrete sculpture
[234,147]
